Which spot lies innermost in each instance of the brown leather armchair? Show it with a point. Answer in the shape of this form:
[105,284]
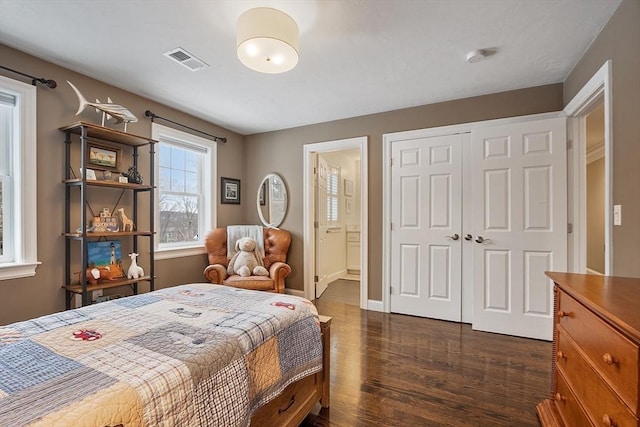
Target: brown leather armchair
[276,246]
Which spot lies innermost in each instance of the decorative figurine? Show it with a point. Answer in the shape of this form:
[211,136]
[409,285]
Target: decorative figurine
[135,271]
[118,112]
[125,223]
[133,176]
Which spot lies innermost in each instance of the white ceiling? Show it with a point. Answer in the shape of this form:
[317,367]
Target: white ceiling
[357,57]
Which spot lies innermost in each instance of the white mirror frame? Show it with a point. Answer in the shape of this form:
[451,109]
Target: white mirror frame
[275,198]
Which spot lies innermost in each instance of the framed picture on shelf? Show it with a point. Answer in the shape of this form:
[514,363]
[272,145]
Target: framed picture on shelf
[229,191]
[105,255]
[103,157]
[91,174]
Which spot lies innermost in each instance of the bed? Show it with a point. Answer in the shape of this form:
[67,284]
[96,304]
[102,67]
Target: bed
[190,355]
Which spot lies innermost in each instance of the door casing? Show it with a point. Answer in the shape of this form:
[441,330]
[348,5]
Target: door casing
[308,213]
[596,90]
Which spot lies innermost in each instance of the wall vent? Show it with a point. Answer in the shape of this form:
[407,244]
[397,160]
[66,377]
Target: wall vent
[185,59]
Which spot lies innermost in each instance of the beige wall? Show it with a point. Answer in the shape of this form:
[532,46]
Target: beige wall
[25,298]
[620,41]
[281,152]
[595,215]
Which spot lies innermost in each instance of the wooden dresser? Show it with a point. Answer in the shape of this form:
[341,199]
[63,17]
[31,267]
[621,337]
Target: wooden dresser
[596,361]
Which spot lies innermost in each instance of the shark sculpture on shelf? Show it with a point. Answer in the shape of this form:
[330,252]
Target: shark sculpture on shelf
[118,112]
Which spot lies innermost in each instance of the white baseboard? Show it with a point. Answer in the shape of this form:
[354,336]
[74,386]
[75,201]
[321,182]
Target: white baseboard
[337,275]
[374,305]
[590,271]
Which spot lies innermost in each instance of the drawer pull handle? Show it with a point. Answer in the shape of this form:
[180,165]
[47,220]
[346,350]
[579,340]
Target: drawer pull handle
[291,402]
[562,314]
[608,421]
[560,355]
[609,359]
[559,397]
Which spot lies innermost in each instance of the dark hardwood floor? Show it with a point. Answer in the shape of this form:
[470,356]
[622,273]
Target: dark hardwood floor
[396,370]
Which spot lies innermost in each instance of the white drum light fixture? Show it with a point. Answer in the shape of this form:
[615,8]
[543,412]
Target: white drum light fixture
[267,40]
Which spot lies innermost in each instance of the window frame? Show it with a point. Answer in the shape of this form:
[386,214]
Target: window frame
[208,191]
[24,184]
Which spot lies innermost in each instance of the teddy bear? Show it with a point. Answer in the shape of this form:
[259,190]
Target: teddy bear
[245,262]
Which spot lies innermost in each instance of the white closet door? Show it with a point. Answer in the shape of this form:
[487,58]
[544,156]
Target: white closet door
[519,225]
[426,221]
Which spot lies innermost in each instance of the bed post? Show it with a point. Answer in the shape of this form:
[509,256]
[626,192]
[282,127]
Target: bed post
[325,329]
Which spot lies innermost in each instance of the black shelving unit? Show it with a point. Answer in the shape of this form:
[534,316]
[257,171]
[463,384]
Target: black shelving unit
[83,133]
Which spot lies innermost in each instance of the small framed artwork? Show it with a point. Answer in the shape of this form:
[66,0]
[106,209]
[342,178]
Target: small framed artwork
[347,205]
[230,191]
[348,187]
[103,157]
[91,174]
[106,256]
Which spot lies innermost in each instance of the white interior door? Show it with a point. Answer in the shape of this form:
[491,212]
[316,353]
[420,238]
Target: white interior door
[519,224]
[426,182]
[321,276]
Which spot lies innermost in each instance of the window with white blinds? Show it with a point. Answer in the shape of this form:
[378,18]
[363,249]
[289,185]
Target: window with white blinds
[333,195]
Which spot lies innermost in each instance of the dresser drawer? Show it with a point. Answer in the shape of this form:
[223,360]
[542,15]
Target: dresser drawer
[589,388]
[292,406]
[609,352]
[567,405]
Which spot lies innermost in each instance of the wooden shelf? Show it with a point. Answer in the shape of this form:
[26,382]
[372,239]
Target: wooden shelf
[129,144]
[77,288]
[107,134]
[109,234]
[110,184]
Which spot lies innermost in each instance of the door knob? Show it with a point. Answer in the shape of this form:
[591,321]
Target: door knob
[454,237]
[468,237]
[479,239]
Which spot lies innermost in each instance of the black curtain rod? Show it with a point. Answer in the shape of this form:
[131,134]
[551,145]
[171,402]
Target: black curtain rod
[155,116]
[51,84]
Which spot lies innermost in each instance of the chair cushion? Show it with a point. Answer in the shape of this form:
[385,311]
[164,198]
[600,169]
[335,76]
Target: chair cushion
[260,283]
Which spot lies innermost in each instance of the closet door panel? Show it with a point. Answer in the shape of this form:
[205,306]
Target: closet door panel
[519,208]
[426,227]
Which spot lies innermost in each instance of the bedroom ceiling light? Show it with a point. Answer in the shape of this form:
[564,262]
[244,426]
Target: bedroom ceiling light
[476,56]
[267,40]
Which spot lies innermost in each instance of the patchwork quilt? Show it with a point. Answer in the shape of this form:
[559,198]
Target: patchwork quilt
[191,355]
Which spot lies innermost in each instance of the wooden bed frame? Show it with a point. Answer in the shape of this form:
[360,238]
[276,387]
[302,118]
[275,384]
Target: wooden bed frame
[296,401]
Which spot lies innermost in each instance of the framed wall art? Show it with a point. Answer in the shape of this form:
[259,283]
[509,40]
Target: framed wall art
[348,187]
[229,191]
[103,157]
[105,255]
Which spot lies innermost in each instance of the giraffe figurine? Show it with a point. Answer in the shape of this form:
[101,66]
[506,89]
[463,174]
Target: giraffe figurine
[135,271]
[126,223]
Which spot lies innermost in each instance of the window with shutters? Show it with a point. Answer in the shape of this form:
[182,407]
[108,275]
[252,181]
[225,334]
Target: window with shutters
[333,195]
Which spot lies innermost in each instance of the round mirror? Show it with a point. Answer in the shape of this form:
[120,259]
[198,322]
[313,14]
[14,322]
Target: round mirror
[272,200]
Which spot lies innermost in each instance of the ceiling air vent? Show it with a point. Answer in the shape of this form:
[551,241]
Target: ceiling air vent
[185,59]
